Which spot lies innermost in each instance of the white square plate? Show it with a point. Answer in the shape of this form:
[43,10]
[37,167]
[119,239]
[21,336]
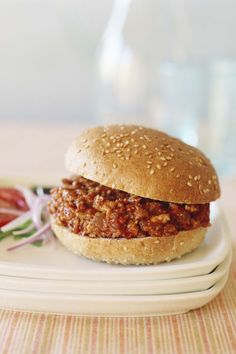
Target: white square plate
[101,305]
[118,287]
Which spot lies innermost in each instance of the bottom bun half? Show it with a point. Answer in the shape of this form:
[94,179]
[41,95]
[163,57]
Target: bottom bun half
[137,251]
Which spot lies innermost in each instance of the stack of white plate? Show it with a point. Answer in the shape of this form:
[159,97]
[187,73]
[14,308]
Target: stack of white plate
[51,279]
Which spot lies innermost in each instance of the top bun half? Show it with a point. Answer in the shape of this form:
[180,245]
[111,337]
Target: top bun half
[144,162]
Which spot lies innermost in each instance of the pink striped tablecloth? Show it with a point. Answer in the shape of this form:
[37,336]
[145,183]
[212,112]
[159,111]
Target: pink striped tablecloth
[210,329]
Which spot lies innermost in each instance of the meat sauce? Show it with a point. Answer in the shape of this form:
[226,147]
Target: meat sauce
[91,209]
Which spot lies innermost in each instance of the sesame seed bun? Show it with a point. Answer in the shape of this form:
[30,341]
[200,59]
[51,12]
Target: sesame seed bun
[138,251]
[144,162]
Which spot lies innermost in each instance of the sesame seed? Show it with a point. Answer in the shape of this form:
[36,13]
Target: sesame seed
[122,158]
[149,162]
[158,166]
[103,135]
[148,166]
[136,145]
[206,190]
[181,243]
[209,181]
[146,153]
[114,165]
[214,177]
[127,157]
[156,149]
[132,140]
[141,138]
[162,158]
[172,169]
[177,175]
[157,241]
[159,153]
[189,184]
[135,152]
[169,158]
[134,132]
[144,146]
[122,127]
[126,135]
[164,164]
[172,149]
[151,171]
[190,177]
[108,144]
[195,178]
[113,185]
[107,151]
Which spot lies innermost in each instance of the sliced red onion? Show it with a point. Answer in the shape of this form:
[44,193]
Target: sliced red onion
[35,237]
[29,196]
[11,211]
[24,231]
[36,204]
[44,197]
[37,213]
[40,191]
[17,222]
[48,236]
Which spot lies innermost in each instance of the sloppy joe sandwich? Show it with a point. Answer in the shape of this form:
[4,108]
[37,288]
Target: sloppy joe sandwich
[136,196]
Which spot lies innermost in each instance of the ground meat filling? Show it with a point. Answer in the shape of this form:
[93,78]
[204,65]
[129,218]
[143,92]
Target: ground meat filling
[93,210]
